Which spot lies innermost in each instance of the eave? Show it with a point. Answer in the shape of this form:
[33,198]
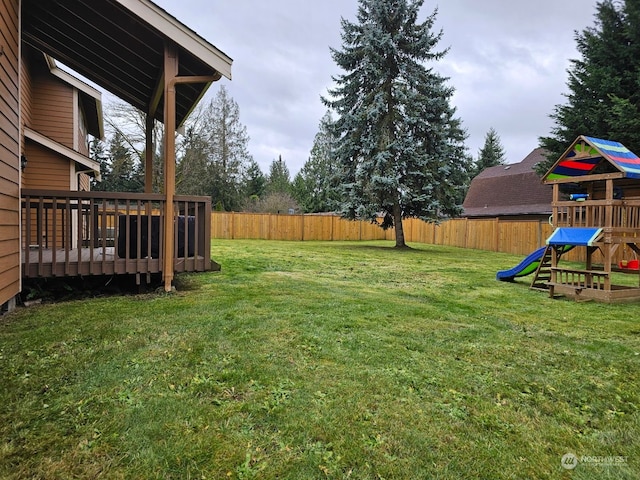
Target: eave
[86,162]
[120,44]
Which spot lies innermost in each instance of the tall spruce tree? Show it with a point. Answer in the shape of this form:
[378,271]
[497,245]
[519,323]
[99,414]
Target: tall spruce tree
[121,173]
[228,153]
[129,125]
[279,178]
[193,167]
[254,181]
[491,153]
[400,148]
[98,154]
[604,84]
[314,185]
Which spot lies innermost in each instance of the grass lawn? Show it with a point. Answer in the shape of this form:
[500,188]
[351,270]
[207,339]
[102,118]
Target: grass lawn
[324,360]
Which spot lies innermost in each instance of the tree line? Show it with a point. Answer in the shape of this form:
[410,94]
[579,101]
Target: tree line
[212,158]
[390,145]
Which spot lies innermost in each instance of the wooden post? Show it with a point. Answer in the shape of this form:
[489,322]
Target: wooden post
[171,79]
[170,72]
[554,204]
[148,164]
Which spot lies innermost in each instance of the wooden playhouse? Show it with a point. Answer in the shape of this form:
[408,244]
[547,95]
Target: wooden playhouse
[596,207]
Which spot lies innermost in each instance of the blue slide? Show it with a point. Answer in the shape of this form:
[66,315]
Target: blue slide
[525,267]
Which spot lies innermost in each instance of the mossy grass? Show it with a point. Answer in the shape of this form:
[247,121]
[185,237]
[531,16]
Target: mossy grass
[323,360]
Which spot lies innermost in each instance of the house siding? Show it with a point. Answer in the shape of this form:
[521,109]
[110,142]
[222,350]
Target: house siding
[52,108]
[84,182]
[9,152]
[25,96]
[46,169]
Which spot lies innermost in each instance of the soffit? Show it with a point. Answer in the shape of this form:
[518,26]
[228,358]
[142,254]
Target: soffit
[119,45]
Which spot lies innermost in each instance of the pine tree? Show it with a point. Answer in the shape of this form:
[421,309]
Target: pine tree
[192,169]
[130,125]
[98,154]
[491,153]
[279,178]
[120,174]
[228,152]
[604,84]
[401,149]
[254,181]
[314,185]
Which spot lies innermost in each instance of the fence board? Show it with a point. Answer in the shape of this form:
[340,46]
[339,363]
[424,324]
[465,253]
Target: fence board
[346,229]
[318,227]
[482,234]
[515,237]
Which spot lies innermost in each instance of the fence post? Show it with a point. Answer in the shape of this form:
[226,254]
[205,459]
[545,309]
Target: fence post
[466,232]
[333,219]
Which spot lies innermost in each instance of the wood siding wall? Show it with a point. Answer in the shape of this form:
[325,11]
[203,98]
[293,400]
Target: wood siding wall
[52,108]
[45,169]
[495,235]
[84,182]
[9,152]
[25,96]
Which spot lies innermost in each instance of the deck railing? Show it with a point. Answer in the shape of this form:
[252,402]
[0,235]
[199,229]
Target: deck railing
[105,233]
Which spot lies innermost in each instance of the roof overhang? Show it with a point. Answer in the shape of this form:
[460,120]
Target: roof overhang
[120,46]
[86,163]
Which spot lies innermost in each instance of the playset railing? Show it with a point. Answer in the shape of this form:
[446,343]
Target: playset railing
[619,216]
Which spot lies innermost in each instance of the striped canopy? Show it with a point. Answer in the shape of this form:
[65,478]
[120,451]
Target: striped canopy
[587,153]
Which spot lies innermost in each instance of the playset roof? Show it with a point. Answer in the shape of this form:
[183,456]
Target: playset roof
[589,156]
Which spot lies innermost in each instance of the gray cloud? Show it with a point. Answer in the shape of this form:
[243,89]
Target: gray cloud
[507,62]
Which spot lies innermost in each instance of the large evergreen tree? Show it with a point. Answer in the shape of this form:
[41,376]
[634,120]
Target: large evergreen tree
[193,166]
[491,153]
[604,84]
[314,185]
[131,124]
[400,149]
[254,181]
[120,173]
[98,154]
[228,152]
[279,178]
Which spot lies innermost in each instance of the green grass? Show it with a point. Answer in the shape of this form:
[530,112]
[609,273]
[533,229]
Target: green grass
[323,360]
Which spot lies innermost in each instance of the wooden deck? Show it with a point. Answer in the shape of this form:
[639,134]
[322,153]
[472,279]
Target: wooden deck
[100,233]
[100,261]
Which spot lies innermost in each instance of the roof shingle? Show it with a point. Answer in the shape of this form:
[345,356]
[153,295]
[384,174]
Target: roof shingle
[513,189]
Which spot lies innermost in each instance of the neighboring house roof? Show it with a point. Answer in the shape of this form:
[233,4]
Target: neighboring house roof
[120,46]
[512,189]
[90,97]
[84,162]
[589,156]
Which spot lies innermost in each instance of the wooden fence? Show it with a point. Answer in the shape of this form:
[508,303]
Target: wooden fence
[495,235]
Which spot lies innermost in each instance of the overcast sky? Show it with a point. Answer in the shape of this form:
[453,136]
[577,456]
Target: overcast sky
[507,62]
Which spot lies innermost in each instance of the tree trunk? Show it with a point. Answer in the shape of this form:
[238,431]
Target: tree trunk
[397,222]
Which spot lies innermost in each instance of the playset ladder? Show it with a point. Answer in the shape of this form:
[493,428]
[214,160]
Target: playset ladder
[543,273]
